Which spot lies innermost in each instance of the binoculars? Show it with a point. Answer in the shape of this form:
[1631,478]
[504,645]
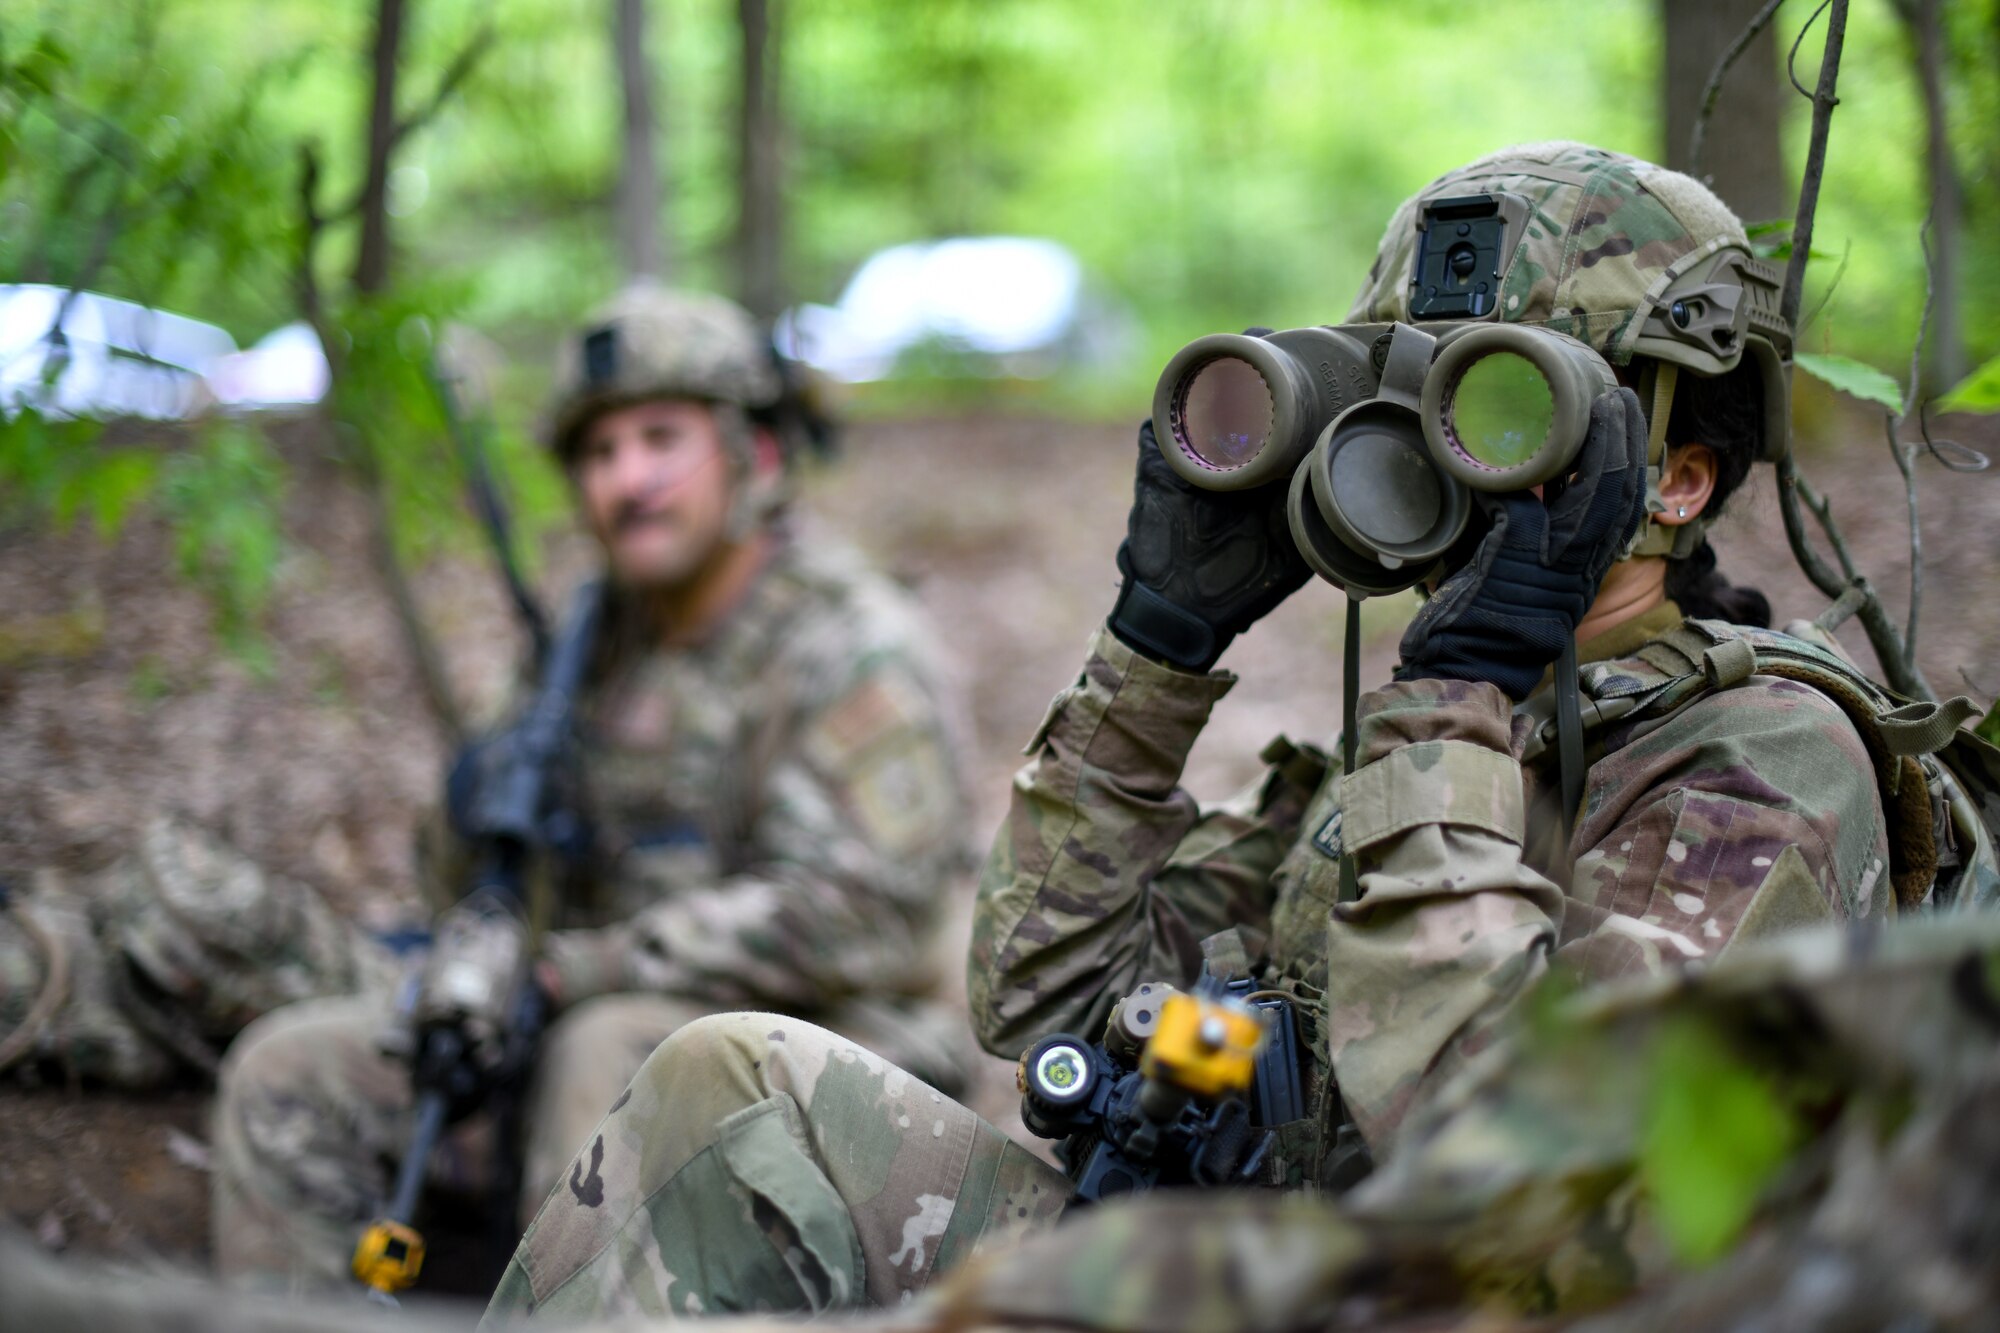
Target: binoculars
[1384,429]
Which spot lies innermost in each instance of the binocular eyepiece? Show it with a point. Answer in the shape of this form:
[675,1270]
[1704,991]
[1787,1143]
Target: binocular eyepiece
[1384,430]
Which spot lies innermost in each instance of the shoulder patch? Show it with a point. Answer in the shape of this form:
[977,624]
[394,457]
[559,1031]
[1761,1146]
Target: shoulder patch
[862,718]
[1327,837]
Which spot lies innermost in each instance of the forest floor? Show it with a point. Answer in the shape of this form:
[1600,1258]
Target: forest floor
[114,702]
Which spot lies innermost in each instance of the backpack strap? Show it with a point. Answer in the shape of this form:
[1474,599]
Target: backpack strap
[1703,656]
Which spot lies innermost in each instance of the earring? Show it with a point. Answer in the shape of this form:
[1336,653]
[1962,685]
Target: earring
[1681,511]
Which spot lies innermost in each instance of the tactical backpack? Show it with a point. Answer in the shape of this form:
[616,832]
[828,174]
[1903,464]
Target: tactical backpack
[1940,784]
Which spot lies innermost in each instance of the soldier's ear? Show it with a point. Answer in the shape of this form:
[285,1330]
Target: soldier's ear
[767,457]
[1687,481]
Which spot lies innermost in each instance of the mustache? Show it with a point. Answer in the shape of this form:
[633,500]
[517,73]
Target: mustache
[631,513]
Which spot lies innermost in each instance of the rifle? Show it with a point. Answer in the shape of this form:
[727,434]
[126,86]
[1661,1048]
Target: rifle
[511,818]
[1185,1089]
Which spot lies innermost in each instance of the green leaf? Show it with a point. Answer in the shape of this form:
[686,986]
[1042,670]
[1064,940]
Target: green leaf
[120,482]
[1989,726]
[1716,1135]
[43,65]
[1977,392]
[1849,376]
[1756,229]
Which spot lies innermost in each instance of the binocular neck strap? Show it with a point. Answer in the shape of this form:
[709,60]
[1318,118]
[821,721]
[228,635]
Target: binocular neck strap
[1350,696]
[1569,733]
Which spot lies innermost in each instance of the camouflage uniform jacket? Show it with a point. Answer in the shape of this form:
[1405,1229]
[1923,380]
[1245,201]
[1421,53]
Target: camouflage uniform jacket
[1759,801]
[775,811]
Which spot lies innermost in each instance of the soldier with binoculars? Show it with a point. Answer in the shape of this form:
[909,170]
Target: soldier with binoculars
[1592,756]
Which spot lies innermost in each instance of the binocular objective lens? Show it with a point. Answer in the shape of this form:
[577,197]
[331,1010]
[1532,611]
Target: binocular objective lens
[1500,411]
[1226,413]
[1061,1073]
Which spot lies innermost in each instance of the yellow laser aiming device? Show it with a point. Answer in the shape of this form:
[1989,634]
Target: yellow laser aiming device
[388,1256]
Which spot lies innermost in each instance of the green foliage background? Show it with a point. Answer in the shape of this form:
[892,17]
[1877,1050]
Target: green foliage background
[1212,161]
[1215,163]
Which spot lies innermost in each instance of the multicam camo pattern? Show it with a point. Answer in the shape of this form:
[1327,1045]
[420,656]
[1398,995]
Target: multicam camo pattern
[1529,1187]
[776,815]
[1605,235]
[776,811]
[313,1114]
[1755,803]
[209,937]
[758,1162]
[1525,1187]
[652,342]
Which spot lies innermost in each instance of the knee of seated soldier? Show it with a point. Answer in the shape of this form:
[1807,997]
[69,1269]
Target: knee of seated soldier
[291,1043]
[730,1061]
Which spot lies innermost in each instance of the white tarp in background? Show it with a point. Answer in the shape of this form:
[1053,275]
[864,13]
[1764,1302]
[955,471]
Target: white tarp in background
[116,358]
[1008,305]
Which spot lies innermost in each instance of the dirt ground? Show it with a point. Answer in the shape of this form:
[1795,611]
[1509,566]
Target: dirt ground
[114,702]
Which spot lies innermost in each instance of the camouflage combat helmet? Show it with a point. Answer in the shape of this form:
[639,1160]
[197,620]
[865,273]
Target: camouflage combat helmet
[1635,260]
[652,342]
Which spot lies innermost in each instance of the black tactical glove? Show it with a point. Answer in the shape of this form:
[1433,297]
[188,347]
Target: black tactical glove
[1506,615]
[1200,566]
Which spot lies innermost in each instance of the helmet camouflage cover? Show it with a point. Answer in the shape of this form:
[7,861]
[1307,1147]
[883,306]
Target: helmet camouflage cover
[1631,258]
[652,342]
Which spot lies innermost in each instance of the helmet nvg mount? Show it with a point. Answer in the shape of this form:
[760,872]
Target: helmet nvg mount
[1501,298]
[652,342]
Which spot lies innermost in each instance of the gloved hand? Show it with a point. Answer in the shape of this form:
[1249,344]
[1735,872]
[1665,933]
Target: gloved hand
[473,979]
[1505,615]
[1200,566]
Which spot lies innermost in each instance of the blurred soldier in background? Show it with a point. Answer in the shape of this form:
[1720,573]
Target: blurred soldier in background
[1737,783]
[765,766]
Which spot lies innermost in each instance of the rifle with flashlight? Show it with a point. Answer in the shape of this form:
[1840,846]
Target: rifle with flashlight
[475,1016]
[1186,1088]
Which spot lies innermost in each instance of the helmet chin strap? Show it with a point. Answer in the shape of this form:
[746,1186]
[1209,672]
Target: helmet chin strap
[758,496]
[1674,541]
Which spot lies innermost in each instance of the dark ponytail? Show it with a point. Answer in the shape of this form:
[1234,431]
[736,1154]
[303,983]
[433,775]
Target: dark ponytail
[1724,412]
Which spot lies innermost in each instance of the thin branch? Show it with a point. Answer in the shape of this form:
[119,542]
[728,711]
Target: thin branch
[1897,659]
[1924,320]
[1790,497]
[1823,102]
[1901,455]
[312,223]
[1792,60]
[1899,451]
[424,655]
[455,73]
[1713,92]
[1821,509]
[1950,454]
[1826,297]
[1789,482]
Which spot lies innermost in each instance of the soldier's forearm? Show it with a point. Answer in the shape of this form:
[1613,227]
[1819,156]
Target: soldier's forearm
[1451,924]
[785,936]
[1063,925]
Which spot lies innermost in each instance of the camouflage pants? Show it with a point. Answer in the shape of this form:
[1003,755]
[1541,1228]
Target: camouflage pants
[159,959]
[762,1163]
[310,1119]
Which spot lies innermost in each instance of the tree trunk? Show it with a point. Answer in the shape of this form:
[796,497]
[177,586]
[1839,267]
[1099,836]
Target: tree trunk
[1944,352]
[1741,158]
[639,208]
[371,265]
[759,130]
